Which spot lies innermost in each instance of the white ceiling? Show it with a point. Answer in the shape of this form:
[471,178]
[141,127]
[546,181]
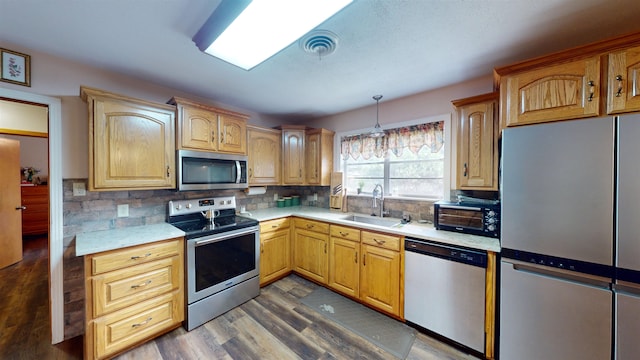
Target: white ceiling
[390,47]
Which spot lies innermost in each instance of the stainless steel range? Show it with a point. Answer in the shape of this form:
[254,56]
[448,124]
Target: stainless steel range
[222,256]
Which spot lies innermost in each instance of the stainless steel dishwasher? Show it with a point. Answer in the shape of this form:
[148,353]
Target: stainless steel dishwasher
[445,291]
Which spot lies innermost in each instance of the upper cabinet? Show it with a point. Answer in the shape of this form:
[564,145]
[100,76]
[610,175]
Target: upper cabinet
[204,127]
[131,142]
[581,82]
[623,91]
[477,143]
[319,156]
[293,155]
[264,166]
[561,92]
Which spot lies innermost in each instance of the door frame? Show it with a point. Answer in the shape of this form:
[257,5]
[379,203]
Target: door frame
[56,244]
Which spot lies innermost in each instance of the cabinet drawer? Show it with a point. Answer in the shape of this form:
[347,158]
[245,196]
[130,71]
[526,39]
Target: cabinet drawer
[311,225]
[274,225]
[381,240]
[346,233]
[120,288]
[119,259]
[117,331]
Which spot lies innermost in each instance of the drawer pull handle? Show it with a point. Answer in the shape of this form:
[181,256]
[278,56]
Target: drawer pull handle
[379,242]
[141,285]
[619,79]
[140,257]
[142,323]
[344,233]
[274,226]
[310,226]
[592,87]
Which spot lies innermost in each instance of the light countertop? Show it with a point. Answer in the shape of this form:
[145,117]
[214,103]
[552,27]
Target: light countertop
[105,240]
[413,229]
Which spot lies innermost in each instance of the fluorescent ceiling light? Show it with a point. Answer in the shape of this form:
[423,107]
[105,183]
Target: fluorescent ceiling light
[262,28]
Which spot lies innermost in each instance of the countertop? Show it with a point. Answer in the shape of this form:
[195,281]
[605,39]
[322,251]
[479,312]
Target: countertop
[413,229]
[105,240]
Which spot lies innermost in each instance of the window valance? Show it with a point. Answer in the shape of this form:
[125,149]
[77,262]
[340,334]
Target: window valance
[395,140]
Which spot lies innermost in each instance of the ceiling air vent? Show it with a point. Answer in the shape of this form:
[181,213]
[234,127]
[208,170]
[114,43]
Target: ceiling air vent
[319,43]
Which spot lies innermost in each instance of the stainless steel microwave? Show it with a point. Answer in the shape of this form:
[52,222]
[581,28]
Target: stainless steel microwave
[468,218]
[201,170]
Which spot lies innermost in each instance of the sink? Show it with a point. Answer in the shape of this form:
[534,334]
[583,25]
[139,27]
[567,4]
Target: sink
[373,220]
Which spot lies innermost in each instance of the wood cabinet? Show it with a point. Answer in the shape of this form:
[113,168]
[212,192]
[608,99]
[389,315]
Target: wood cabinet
[275,250]
[319,156]
[380,273]
[131,142]
[311,241]
[477,142]
[35,215]
[207,128]
[264,148]
[132,295]
[344,260]
[557,92]
[293,155]
[623,90]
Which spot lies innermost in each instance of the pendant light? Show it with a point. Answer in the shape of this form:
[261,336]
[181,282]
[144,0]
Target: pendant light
[377,130]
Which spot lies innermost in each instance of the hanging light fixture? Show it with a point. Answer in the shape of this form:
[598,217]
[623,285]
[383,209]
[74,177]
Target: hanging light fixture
[377,130]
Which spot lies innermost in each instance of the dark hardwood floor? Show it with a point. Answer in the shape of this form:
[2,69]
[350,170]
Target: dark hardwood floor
[275,325]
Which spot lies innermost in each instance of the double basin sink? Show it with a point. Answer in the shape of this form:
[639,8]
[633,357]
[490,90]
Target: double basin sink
[372,220]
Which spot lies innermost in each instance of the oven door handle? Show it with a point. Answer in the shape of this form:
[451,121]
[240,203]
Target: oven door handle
[224,236]
[238,172]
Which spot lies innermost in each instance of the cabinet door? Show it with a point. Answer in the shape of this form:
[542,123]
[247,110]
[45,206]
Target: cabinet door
[264,156]
[233,134]
[477,147]
[198,128]
[310,254]
[312,154]
[344,266]
[623,93]
[380,279]
[133,146]
[274,255]
[293,157]
[560,92]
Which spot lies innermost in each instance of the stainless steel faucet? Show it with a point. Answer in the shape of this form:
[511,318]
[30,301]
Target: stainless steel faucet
[378,194]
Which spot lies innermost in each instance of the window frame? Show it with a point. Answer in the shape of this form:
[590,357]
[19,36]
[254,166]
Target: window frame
[448,152]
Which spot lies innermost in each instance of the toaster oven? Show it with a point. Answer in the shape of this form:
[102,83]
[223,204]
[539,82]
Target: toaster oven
[469,218]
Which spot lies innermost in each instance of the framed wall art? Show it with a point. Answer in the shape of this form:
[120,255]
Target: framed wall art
[16,67]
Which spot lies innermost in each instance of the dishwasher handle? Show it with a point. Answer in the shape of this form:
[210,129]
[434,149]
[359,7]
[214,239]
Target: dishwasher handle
[447,252]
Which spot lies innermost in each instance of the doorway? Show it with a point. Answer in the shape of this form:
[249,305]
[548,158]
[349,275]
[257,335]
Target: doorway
[56,305]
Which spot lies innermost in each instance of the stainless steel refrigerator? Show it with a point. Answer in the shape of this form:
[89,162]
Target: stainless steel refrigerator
[569,274]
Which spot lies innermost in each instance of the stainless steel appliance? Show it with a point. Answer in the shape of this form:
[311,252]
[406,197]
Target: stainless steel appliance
[202,170]
[468,217]
[570,242]
[445,291]
[222,256]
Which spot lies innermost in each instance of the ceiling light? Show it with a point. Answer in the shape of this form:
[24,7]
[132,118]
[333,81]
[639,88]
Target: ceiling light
[377,130]
[246,33]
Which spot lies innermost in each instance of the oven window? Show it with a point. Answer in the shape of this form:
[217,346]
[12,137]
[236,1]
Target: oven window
[469,219]
[223,260]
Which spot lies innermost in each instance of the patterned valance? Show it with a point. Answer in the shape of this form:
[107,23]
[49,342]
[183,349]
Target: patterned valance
[396,140]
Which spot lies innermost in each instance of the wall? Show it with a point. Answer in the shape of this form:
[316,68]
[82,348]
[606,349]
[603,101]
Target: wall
[53,76]
[33,153]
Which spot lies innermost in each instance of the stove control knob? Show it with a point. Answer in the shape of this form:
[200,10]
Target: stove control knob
[178,207]
[491,227]
[491,220]
[188,206]
[491,213]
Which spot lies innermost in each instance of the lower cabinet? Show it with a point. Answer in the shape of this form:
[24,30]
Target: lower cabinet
[311,239]
[132,295]
[380,279]
[275,250]
[344,260]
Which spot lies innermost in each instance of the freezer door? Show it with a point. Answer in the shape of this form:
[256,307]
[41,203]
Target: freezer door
[557,189]
[627,326]
[628,244]
[544,317]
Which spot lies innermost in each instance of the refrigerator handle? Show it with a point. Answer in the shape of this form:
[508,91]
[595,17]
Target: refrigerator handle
[566,275]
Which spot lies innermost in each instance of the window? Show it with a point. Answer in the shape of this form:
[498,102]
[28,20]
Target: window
[408,161]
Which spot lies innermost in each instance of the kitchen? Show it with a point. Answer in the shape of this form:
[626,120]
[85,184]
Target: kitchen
[74,110]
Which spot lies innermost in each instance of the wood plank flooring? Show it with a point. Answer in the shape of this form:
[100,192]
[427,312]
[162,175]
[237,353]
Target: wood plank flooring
[275,325]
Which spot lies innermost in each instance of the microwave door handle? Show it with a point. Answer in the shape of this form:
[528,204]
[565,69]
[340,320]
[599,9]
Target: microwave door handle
[238,172]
